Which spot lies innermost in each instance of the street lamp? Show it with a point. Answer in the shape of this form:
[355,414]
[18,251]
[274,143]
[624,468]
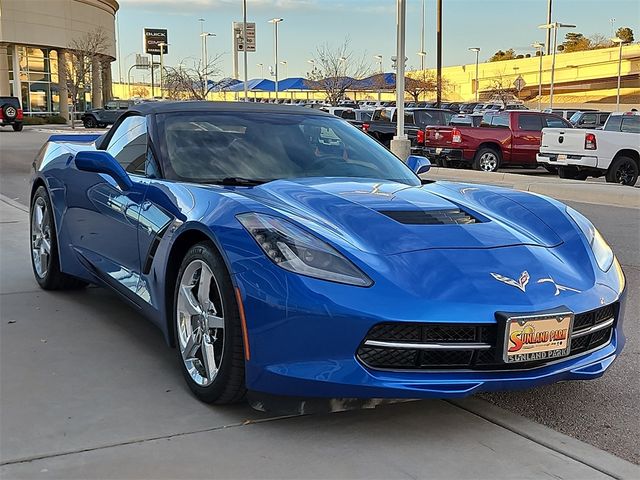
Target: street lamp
[275,22]
[205,59]
[539,47]
[381,71]
[162,46]
[261,65]
[422,53]
[555,26]
[284,64]
[477,50]
[620,42]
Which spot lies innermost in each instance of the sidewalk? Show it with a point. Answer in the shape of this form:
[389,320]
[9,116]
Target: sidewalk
[90,390]
[558,188]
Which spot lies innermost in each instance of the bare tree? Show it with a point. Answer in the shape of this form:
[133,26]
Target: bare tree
[190,82]
[501,88]
[421,83]
[336,70]
[82,52]
[140,91]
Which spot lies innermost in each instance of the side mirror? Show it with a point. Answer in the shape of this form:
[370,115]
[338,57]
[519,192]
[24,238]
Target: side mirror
[99,161]
[418,164]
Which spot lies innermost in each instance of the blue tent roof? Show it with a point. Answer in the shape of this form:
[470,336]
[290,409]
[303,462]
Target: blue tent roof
[379,80]
[261,84]
[293,83]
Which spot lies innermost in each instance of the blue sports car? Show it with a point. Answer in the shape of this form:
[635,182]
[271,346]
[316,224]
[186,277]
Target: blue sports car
[286,253]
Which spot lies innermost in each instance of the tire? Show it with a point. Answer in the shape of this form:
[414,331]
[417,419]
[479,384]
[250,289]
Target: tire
[487,159]
[89,122]
[221,380]
[623,170]
[551,169]
[9,112]
[17,127]
[44,246]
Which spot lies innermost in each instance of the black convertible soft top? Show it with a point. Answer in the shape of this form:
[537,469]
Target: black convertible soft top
[147,108]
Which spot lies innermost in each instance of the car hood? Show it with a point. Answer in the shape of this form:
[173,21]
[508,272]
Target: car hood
[387,218]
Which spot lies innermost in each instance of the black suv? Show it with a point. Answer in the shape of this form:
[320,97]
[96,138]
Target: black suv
[11,113]
[101,117]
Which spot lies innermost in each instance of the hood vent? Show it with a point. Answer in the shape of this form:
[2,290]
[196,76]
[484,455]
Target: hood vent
[430,217]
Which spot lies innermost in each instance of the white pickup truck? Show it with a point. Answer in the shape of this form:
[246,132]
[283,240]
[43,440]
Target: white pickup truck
[613,151]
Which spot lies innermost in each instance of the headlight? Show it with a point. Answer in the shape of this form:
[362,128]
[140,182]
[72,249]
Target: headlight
[601,249]
[295,250]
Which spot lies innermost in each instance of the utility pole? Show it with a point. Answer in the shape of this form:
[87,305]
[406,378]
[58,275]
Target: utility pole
[439,53]
[422,53]
[555,26]
[244,48]
[477,50]
[539,47]
[400,144]
[548,42]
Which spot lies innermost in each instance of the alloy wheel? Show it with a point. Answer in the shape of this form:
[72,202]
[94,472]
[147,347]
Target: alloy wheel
[488,162]
[625,173]
[40,237]
[200,322]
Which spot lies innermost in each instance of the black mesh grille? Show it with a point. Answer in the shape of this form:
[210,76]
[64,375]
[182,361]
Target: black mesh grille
[430,217]
[589,319]
[409,358]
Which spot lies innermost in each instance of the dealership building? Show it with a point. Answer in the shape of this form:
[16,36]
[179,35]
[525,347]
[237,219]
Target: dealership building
[35,42]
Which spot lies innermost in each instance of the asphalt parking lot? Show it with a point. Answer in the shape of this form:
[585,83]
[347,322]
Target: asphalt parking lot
[79,371]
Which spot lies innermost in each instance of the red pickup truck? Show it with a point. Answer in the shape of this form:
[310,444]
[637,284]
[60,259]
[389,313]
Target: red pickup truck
[502,139]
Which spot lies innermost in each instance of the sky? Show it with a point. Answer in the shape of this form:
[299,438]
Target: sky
[370,26]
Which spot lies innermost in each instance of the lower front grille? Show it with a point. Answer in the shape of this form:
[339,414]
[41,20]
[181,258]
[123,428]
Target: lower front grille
[419,346]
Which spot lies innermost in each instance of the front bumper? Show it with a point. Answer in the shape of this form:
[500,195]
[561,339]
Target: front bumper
[562,160]
[304,335]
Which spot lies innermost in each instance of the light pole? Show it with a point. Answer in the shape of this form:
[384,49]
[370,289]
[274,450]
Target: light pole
[381,71]
[422,53]
[539,47]
[275,22]
[477,50]
[612,21]
[261,65]
[163,47]
[244,48]
[205,60]
[202,54]
[284,64]
[620,42]
[400,145]
[555,26]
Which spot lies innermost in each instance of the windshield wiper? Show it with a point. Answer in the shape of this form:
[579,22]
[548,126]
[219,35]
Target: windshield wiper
[241,181]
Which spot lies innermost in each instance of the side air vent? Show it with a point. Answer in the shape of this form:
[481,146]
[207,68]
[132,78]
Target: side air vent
[430,217]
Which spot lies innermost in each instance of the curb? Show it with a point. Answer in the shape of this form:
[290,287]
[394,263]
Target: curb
[577,450]
[13,203]
[561,189]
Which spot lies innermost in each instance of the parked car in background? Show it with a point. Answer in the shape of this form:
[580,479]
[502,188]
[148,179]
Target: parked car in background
[613,151]
[504,138]
[11,113]
[382,126]
[567,113]
[589,119]
[468,107]
[472,120]
[101,117]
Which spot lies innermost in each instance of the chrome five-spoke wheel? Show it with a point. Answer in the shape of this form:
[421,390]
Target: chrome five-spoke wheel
[488,162]
[200,322]
[40,237]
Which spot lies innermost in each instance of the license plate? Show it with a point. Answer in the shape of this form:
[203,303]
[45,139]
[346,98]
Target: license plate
[539,337]
[562,158]
[438,151]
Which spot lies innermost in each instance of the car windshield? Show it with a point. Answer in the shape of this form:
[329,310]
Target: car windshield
[209,147]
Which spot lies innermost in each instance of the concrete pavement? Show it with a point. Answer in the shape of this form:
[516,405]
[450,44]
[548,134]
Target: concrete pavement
[90,390]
